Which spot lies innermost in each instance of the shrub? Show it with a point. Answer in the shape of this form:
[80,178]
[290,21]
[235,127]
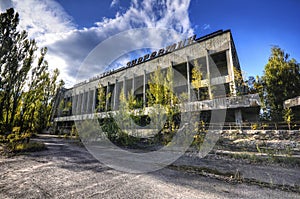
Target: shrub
[3,139]
[198,140]
[29,147]
[66,136]
[74,132]
[13,139]
[16,129]
[254,126]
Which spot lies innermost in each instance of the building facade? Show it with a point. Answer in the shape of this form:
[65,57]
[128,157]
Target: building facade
[294,105]
[221,86]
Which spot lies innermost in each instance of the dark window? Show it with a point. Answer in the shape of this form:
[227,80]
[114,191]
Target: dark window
[218,64]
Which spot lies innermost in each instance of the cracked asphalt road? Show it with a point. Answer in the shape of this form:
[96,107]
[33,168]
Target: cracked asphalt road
[67,170]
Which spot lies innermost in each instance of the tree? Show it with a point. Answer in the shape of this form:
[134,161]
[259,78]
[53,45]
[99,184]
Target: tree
[288,116]
[251,84]
[46,93]
[16,57]
[102,98]
[281,81]
[155,93]
[197,78]
[161,96]
[31,97]
[27,92]
[121,126]
[256,85]
[239,82]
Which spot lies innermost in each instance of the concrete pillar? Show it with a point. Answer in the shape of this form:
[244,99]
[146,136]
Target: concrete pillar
[88,102]
[208,74]
[144,88]
[94,100]
[230,68]
[125,87]
[115,95]
[107,98]
[78,111]
[74,103]
[188,78]
[77,104]
[82,102]
[133,84]
[91,100]
[85,102]
[238,117]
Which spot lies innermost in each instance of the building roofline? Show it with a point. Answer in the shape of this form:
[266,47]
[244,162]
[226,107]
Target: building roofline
[113,71]
[213,34]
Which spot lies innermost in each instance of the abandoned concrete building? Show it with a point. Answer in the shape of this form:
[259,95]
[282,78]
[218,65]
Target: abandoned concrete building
[294,105]
[220,68]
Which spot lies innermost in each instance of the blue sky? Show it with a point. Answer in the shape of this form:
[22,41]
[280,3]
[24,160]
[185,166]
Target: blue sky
[71,29]
[256,25]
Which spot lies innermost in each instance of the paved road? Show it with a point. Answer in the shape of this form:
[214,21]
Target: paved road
[67,170]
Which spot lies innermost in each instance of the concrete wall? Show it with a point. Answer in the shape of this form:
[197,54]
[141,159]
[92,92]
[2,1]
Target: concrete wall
[135,78]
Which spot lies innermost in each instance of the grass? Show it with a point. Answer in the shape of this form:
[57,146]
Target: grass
[270,158]
[233,178]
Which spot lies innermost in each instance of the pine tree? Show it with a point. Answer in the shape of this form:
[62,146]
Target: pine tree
[281,81]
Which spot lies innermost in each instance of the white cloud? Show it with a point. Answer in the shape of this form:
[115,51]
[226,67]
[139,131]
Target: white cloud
[47,21]
[42,17]
[114,3]
[205,26]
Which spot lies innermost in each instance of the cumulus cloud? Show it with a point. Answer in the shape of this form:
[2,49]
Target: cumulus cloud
[68,46]
[41,17]
[46,22]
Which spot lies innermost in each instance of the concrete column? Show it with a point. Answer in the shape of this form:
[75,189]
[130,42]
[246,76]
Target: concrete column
[78,111]
[74,105]
[82,102]
[208,74]
[91,100]
[94,100]
[107,99]
[230,68]
[115,94]
[188,78]
[77,104]
[238,117]
[125,87]
[88,102]
[144,88]
[85,102]
[133,84]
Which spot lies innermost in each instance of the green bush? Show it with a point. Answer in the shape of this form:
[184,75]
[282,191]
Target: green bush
[16,129]
[254,126]
[29,147]
[198,140]
[19,142]
[3,139]
[18,137]
[74,132]
[14,139]
[66,136]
